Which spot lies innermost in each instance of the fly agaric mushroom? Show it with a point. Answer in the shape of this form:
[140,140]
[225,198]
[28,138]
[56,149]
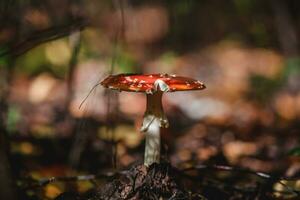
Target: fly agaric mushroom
[154,85]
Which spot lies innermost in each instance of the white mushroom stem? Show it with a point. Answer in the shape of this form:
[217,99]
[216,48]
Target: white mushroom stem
[154,119]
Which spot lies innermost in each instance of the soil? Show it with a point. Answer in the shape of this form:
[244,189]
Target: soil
[159,181]
[165,182]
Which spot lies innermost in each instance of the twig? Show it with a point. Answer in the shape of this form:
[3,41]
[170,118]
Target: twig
[228,168]
[87,96]
[247,171]
[243,170]
[33,183]
[43,36]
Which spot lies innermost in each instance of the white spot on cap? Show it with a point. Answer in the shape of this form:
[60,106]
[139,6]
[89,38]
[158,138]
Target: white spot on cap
[161,85]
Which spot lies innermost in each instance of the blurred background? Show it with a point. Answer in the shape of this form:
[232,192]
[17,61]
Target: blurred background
[53,52]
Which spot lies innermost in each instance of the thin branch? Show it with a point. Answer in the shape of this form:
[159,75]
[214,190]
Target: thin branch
[243,170]
[43,36]
[247,171]
[87,96]
[33,183]
[228,168]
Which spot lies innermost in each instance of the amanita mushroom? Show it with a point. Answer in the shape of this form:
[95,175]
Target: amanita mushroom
[154,85]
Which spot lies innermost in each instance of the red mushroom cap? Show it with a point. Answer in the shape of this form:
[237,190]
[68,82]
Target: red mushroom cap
[150,83]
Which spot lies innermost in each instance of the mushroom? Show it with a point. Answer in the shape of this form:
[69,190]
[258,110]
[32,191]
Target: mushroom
[154,85]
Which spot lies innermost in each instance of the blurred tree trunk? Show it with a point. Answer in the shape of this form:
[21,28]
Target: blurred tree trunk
[6,178]
[7,183]
[287,34]
[80,139]
[75,43]
[289,42]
